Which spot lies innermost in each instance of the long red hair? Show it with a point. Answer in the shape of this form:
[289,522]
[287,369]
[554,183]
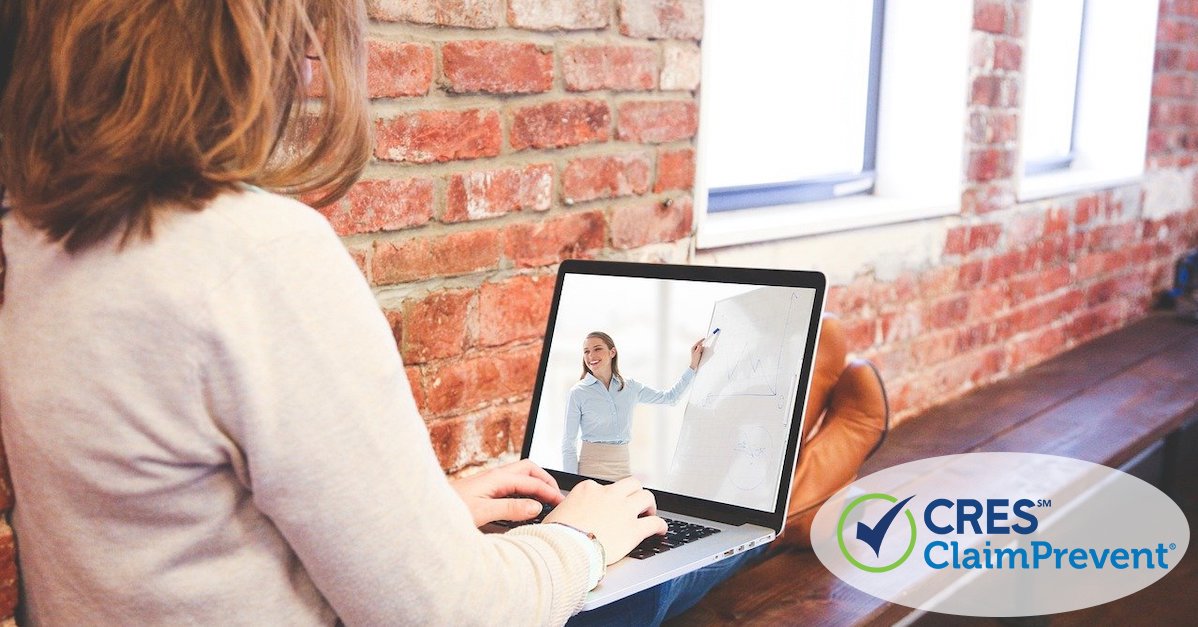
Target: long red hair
[111,110]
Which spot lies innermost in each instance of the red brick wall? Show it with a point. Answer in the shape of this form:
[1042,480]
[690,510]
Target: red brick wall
[1020,282]
[515,133]
[512,134]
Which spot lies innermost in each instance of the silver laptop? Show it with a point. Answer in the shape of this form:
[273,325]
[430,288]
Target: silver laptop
[720,459]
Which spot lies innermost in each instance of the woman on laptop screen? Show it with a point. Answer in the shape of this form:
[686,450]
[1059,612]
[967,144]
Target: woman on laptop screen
[601,404]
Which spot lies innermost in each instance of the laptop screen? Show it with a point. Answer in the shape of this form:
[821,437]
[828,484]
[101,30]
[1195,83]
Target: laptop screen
[617,395]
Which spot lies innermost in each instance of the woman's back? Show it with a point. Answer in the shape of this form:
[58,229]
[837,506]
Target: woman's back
[136,500]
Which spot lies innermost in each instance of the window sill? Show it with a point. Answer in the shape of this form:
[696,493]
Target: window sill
[748,226]
[1066,182]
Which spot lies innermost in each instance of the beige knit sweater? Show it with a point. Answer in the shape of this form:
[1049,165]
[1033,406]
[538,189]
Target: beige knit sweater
[214,427]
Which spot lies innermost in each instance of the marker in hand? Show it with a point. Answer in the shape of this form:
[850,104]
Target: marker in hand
[702,347]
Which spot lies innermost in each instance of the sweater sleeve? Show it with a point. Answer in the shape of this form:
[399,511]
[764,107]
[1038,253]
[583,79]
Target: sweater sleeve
[303,375]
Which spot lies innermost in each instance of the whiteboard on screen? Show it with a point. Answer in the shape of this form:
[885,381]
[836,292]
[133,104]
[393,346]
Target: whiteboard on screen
[742,400]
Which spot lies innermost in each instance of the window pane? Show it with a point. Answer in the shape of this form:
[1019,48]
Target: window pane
[788,88]
[1053,49]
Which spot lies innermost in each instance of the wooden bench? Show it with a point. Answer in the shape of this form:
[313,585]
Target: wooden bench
[1121,400]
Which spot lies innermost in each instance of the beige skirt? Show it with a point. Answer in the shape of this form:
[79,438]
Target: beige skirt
[604,461]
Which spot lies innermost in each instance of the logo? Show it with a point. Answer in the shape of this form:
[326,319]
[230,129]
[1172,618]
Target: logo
[874,535]
[986,534]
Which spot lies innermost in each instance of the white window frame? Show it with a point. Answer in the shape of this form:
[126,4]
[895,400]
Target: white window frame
[923,102]
[792,188]
[1062,160]
[1113,97]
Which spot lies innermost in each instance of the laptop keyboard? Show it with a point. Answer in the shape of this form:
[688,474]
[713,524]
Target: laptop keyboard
[678,534]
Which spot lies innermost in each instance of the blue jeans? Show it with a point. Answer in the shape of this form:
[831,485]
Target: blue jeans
[669,599]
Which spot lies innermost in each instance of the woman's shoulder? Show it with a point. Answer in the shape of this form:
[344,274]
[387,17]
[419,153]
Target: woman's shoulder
[251,217]
[247,226]
[585,385]
[246,233]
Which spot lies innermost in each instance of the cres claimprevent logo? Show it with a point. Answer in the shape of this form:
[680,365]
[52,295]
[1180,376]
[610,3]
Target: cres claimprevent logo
[1000,534]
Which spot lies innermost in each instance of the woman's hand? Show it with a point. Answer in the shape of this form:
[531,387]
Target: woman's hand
[485,493]
[612,513]
[696,354]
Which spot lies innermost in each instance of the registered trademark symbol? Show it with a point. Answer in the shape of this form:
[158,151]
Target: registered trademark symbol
[1172,546]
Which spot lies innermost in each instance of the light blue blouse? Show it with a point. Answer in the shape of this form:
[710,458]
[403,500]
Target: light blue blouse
[605,414]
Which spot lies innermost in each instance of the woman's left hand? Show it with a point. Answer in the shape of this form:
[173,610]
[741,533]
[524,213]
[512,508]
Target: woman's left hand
[487,494]
[696,354]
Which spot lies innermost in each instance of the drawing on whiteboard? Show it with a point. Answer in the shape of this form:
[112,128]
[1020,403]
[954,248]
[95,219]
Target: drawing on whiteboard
[753,373]
[751,451]
[743,399]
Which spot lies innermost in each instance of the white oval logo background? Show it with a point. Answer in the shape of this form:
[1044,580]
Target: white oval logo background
[870,538]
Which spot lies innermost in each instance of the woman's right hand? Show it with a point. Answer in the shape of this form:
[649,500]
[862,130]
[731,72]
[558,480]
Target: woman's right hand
[696,353]
[613,513]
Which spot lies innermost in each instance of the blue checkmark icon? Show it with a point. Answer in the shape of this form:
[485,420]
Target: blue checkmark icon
[874,535]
